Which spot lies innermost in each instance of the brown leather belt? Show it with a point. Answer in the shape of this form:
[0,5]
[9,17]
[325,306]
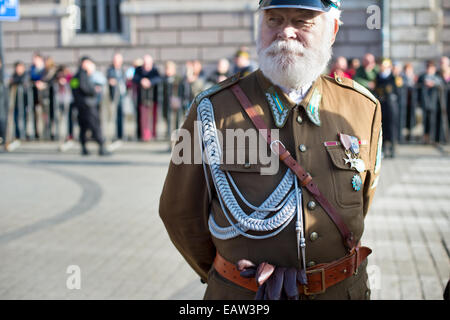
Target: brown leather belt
[320,277]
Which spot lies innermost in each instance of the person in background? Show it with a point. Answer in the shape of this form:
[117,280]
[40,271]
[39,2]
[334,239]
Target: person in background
[132,70]
[132,88]
[64,98]
[242,63]
[195,81]
[409,80]
[340,68]
[37,72]
[171,102]
[430,82]
[198,85]
[444,71]
[430,78]
[387,94]
[409,76]
[146,79]
[117,91]
[367,73]
[18,86]
[445,75]
[49,93]
[185,86]
[221,73]
[402,98]
[100,82]
[354,65]
[397,68]
[85,97]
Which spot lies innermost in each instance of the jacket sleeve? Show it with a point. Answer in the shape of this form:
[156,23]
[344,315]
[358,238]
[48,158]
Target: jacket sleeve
[184,202]
[373,175]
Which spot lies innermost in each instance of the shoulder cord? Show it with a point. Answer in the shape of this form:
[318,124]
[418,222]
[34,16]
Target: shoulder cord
[256,221]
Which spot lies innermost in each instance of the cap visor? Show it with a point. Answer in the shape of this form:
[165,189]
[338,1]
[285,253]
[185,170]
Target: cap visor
[295,7]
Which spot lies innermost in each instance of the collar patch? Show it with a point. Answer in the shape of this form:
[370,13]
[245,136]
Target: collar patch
[280,112]
[313,108]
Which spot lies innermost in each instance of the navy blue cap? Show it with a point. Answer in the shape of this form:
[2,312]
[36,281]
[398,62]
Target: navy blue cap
[316,5]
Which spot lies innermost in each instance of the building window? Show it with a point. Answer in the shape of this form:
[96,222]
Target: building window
[100,16]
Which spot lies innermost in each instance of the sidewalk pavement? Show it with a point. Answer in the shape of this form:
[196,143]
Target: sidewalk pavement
[101,215]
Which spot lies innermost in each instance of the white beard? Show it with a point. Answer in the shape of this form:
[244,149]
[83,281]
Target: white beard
[289,64]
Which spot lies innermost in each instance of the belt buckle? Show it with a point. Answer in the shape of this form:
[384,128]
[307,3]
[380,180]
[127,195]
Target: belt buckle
[322,275]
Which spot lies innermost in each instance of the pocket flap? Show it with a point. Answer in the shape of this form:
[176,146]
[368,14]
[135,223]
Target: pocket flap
[338,156]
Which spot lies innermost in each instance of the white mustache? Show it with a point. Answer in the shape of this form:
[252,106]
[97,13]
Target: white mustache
[285,47]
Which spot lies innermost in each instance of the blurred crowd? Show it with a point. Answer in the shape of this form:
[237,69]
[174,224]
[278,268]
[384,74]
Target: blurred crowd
[414,106]
[42,102]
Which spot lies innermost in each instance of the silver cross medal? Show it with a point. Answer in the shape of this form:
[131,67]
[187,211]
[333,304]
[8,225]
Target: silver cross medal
[355,163]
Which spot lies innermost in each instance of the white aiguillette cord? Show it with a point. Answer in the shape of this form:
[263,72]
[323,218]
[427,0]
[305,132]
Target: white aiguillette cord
[301,243]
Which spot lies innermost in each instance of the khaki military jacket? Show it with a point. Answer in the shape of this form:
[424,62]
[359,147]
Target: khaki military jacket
[311,134]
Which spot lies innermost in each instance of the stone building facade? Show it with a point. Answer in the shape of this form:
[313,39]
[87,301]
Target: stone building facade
[208,30]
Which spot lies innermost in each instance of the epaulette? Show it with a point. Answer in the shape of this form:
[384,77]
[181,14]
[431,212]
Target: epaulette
[352,84]
[217,87]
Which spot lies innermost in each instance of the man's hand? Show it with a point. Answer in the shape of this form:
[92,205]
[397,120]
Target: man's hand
[40,85]
[275,283]
[112,82]
[146,83]
[429,83]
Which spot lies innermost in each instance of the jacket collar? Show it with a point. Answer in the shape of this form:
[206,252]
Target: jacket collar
[280,104]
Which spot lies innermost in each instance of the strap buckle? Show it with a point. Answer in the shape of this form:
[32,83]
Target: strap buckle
[322,275]
[279,142]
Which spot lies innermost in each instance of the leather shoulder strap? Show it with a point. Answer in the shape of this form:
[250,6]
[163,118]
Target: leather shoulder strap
[285,156]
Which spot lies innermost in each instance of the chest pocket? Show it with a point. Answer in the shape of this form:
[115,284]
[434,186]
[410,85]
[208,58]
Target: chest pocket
[343,176]
[252,180]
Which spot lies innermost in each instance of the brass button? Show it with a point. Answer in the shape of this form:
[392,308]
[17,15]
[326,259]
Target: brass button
[312,205]
[311,264]
[247,165]
[299,120]
[339,79]
[314,236]
[302,148]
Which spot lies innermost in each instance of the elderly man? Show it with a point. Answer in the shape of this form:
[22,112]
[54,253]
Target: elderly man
[290,231]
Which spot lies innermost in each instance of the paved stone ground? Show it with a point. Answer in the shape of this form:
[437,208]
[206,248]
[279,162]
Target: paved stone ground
[61,209]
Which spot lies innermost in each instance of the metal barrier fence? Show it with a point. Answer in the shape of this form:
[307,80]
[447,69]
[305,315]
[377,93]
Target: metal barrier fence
[422,112]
